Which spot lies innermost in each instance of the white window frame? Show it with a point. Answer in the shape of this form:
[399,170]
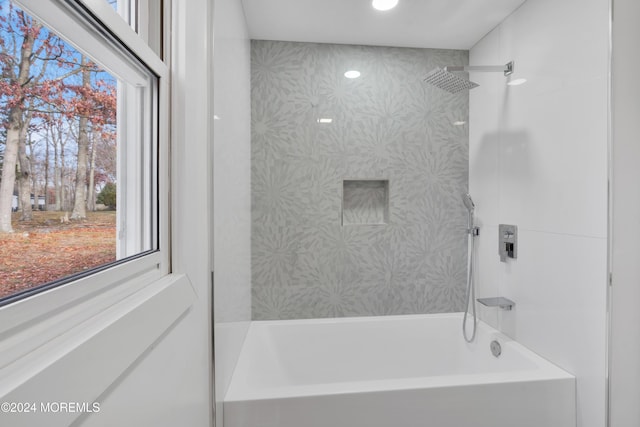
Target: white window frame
[145,17]
[29,323]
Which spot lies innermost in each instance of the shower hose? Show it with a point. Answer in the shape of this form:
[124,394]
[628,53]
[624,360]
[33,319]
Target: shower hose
[471,291]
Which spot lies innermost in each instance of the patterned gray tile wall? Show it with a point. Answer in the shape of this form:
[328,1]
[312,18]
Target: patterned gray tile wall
[386,125]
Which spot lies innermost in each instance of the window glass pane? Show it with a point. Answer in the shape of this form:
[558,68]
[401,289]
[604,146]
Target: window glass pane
[126,9]
[77,162]
[145,17]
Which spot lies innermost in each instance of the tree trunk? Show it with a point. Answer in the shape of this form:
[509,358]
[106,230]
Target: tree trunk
[80,203]
[46,174]
[24,181]
[9,168]
[14,127]
[91,198]
[24,176]
[64,195]
[57,176]
[34,176]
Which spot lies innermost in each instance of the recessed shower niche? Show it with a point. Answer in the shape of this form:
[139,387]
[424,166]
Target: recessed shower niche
[365,201]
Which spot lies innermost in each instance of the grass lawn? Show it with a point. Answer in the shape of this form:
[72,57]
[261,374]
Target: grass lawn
[45,249]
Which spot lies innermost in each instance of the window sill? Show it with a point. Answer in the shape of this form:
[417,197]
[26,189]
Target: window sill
[30,323]
[131,326]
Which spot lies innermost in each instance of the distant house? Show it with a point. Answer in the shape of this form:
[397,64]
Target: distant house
[14,202]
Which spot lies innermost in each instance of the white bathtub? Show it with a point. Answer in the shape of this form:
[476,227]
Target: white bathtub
[395,371]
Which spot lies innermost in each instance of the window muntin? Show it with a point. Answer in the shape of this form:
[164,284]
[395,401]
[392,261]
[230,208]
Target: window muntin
[135,142]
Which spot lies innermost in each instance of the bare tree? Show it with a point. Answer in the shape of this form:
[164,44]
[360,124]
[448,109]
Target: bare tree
[15,123]
[35,169]
[80,203]
[24,172]
[91,197]
[47,156]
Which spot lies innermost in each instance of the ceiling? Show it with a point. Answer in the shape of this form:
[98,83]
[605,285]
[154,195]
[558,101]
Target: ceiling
[447,24]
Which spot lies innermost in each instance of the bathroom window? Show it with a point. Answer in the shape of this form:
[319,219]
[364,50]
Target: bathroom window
[145,17]
[82,114]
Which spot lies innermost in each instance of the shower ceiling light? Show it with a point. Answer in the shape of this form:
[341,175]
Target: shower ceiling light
[384,4]
[352,74]
[517,82]
[459,123]
[325,120]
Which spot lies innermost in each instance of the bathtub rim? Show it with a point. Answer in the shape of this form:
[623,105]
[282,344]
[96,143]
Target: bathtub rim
[545,370]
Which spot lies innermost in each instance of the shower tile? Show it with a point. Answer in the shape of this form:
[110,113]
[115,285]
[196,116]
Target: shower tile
[274,254]
[386,126]
[279,302]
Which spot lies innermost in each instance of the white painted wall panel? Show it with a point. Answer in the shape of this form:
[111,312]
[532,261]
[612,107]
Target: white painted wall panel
[538,158]
[625,292]
[147,358]
[170,384]
[232,190]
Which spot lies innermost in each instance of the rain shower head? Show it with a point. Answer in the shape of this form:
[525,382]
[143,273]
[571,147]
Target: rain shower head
[466,199]
[449,82]
[444,79]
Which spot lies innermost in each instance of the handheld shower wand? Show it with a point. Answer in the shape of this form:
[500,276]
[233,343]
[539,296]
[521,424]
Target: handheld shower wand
[468,203]
[471,290]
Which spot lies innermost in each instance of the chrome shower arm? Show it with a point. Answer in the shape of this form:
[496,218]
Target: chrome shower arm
[507,69]
[480,68]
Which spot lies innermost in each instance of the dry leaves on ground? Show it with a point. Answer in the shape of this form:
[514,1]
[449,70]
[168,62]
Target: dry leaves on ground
[44,250]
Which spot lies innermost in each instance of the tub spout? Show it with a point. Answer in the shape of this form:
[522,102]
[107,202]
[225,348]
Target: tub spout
[502,302]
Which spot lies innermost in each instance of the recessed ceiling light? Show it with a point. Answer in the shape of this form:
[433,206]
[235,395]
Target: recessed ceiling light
[459,123]
[325,120]
[352,74]
[384,4]
[517,82]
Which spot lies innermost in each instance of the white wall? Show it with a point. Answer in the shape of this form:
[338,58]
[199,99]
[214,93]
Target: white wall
[146,356]
[232,190]
[538,159]
[170,384]
[625,292]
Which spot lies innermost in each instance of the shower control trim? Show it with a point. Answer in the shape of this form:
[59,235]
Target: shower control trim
[507,242]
